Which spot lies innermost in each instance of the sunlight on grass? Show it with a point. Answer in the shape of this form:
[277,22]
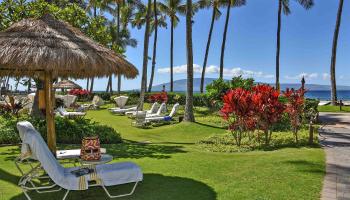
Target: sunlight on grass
[176,168]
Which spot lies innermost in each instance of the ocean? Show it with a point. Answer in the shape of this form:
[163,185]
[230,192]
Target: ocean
[326,95]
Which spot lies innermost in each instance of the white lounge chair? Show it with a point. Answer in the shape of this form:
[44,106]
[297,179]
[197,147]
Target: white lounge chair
[161,109]
[122,111]
[95,104]
[63,178]
[164,118]
[153,110]
[69,100]
[140,119]
[121,101]
[62,112]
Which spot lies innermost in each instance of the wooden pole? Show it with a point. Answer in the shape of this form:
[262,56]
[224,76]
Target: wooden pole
[50,120]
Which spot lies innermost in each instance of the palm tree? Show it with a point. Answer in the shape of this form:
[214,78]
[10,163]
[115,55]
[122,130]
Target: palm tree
[171,8]
[284,4]
[215,5]
[156,23]
[145,56]
[334,53]
[228,4]
[189,116]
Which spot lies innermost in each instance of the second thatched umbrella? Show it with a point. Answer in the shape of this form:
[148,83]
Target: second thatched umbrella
[47,48]
[66,84]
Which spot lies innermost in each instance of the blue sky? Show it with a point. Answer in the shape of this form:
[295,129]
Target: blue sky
[306,42]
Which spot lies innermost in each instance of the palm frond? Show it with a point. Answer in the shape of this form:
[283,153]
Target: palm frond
[307,4]
[285,6]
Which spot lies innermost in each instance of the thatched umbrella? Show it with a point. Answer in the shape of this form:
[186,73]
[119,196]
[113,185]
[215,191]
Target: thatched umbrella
[48,48]
[67,84]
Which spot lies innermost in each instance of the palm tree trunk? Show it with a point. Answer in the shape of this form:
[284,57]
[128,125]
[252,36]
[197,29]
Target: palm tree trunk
[224,40]
[29,85]
[189,117]
[207,50]
[119,83]
[154,45]
[87,83]
[92,85]
[118,30]
[334,54]
[171,55]
[7,82]
[278,45]
[145,57]
[107,88]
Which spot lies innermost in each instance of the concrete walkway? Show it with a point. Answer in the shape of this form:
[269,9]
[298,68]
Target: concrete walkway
[335,138]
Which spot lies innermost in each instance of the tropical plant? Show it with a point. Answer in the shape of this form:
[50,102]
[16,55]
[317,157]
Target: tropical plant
[216,90]
[295,108]
[189,116]
[228,4]
[334,53]
[171,8]
[240,82]
[268,109]
[284,4]
[239,110]
[145,56]
[158,21]
[158,97]
[216,13]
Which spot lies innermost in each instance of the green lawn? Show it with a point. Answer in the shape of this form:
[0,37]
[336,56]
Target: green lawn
[330,108]
[175,167]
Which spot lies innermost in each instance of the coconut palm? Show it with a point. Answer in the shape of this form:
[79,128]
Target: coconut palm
[122,12]
[171,8]
[145,55]
[189,116]
[228,4]
[158,21]
[284,4]
[215,5]
[334,53]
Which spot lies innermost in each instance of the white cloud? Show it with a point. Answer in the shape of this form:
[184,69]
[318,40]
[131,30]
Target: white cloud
[213,69]
[300,76]
[182,69]
[325,76]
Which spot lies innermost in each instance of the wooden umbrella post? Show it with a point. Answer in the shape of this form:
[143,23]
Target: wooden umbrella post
[50,120]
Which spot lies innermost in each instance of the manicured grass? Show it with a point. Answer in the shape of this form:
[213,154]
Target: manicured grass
[330,108]
[175,167]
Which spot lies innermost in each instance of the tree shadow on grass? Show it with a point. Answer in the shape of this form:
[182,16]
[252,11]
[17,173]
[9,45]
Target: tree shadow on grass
[210,125]
[307,166]
[135,150]
[10,154]
[153,187]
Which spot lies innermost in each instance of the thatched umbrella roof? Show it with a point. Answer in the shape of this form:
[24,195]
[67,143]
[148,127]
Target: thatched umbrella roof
[47,44]
[67,84]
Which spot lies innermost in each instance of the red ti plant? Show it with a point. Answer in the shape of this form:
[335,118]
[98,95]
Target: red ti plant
[80,93]
[159,97]
[238,111]
[295,108]
[268,109]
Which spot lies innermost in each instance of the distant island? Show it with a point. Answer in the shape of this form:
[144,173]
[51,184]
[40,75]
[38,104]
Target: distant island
[180,86]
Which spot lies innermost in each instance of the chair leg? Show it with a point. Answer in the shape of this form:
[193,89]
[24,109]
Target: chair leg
[65,195]
[28,197]
[121,195]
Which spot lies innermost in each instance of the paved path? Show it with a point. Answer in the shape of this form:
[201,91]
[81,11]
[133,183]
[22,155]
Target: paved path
[335,137]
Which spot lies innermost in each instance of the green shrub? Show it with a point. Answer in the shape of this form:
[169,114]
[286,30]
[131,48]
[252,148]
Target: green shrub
[240,82]
[69,131]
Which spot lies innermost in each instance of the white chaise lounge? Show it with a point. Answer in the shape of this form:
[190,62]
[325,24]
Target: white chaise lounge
[62,111]
[153,110]
[161,109]
[63,178]
[164,118]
